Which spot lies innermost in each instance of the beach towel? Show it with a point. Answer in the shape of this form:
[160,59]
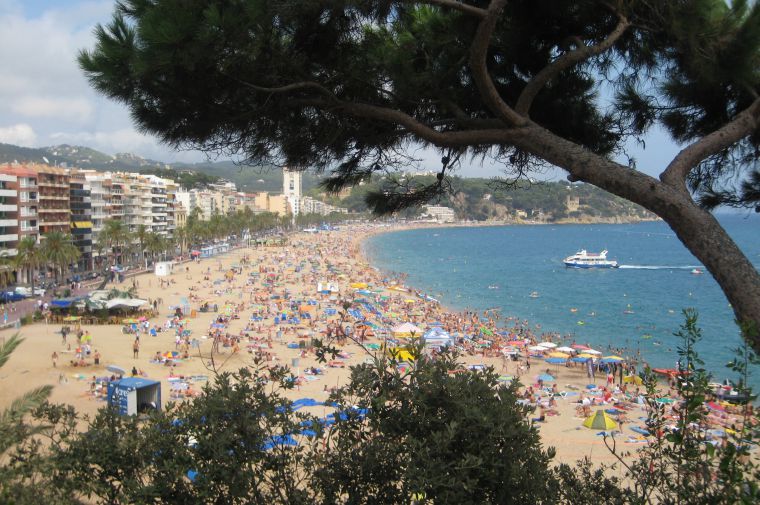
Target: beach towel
[641,431]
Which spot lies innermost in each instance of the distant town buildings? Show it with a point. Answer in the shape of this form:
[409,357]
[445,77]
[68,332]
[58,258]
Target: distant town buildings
[37,199]
[441,214]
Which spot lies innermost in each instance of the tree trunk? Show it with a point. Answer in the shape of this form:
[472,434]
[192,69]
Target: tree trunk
[697,229]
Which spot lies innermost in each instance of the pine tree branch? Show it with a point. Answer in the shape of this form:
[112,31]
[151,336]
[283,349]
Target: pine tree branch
[442,139]
[478,54]
[743,124]
[581,53]
[459,6]
[288,88]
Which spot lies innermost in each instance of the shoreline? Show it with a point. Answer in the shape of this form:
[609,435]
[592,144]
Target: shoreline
[248,305]
[640,357]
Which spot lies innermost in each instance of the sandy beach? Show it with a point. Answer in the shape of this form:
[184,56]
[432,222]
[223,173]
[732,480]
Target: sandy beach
[252,288]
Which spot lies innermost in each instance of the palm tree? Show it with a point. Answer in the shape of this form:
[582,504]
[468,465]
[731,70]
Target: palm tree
[59,250]
[142,235]
[181,236]
[29,257]
[155,244]
[114,236]
[6,270]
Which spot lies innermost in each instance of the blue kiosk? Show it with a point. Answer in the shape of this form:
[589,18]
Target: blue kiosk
[134,395]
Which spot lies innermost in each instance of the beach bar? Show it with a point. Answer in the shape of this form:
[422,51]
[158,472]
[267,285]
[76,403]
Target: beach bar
[134,395]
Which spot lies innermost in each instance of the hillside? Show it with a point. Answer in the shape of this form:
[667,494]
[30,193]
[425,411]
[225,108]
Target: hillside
[249,179]
[472,199]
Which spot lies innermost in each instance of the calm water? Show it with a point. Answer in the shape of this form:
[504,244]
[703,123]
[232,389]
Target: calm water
[486,267]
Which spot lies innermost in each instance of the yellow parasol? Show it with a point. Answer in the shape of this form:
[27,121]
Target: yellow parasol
[632,379]
[600,421]
[401,354]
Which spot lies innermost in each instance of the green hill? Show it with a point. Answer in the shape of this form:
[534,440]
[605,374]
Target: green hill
[472,198]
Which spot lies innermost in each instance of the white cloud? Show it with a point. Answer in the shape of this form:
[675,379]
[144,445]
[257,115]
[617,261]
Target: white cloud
[38,106]
[18,134]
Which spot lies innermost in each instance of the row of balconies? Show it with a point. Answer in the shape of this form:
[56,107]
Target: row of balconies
[52,184]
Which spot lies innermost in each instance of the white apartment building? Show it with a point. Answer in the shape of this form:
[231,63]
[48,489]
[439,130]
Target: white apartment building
[100,186]
[441,214]
[203,200]
[8,214]
[291,189]
[311,205]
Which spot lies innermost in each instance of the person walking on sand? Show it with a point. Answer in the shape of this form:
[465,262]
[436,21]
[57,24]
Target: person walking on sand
[55,359]
[136,349]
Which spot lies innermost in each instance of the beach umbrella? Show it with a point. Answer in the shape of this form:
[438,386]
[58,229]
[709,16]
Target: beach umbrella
[600,421]
[545,377]
[580,359]
[580,347]
[556,354]
[401,354]
[592,351]
[716,406]
[586,355]
[611,359]
[632,379]
[537,348]
[550,345]
[556,361]
[116,369]
[406,329]
[564,348]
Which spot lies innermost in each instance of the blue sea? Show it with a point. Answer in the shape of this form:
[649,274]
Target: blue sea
[637,306]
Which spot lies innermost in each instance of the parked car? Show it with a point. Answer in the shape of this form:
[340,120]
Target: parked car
[27,291]
[10,296]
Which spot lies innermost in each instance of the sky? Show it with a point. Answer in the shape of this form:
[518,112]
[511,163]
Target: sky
[45,99]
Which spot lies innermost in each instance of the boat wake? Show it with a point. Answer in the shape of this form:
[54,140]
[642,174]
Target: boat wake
[660,267]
